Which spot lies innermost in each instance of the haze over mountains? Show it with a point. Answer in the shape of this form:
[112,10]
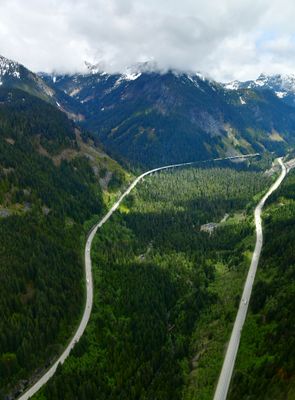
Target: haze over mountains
[147,118]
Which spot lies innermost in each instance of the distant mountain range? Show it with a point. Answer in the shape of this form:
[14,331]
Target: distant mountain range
[147,118]
[282,85]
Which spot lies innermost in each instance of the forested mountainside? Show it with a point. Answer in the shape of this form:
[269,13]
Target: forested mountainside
[155,290]
[147,118]
[168,291]
[265,366]
[50,176]
[151,119]
[17,76]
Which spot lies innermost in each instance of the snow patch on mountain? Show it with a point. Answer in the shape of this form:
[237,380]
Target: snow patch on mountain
[131,76]
[279,83]
[9,68]
[260,81]
[281,95]
[193,80]
[242,100]
[234,85]
[94,69]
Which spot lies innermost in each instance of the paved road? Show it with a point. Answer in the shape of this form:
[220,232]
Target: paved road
[231,353]
[88,274]
[290,164]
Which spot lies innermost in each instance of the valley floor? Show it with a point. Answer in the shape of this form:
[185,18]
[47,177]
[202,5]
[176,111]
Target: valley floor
[158,287]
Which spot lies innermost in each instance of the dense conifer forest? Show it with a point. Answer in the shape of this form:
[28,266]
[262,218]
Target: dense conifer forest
[42,208]
[155,271]
[167,284]
[265,367]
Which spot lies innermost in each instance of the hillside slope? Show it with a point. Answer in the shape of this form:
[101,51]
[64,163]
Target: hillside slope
[49,186]
[157,281]
[17,76]
[150,119]
[265,365]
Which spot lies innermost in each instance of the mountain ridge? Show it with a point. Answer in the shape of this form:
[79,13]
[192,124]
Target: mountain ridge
[283,85]
[147,118]
[156,118]
[16,75]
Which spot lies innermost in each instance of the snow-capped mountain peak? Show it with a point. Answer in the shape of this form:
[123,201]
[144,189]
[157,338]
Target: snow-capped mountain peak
[282,85]
[233,85]
[94,69]
[136,70]
[275,82]
[261,80]
[9,68]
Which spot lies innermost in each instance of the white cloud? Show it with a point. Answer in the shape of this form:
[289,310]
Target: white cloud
[227,39]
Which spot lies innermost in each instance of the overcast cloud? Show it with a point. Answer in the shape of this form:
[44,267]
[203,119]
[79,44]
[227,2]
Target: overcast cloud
[227,39]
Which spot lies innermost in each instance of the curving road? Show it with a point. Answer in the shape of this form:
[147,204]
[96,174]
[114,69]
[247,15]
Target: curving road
[88,274]
[232,349]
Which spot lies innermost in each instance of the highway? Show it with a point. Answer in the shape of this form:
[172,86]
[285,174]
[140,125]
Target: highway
[88,274]
[232,349]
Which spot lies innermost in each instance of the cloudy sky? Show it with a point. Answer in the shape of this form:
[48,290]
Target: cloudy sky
[226,39]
